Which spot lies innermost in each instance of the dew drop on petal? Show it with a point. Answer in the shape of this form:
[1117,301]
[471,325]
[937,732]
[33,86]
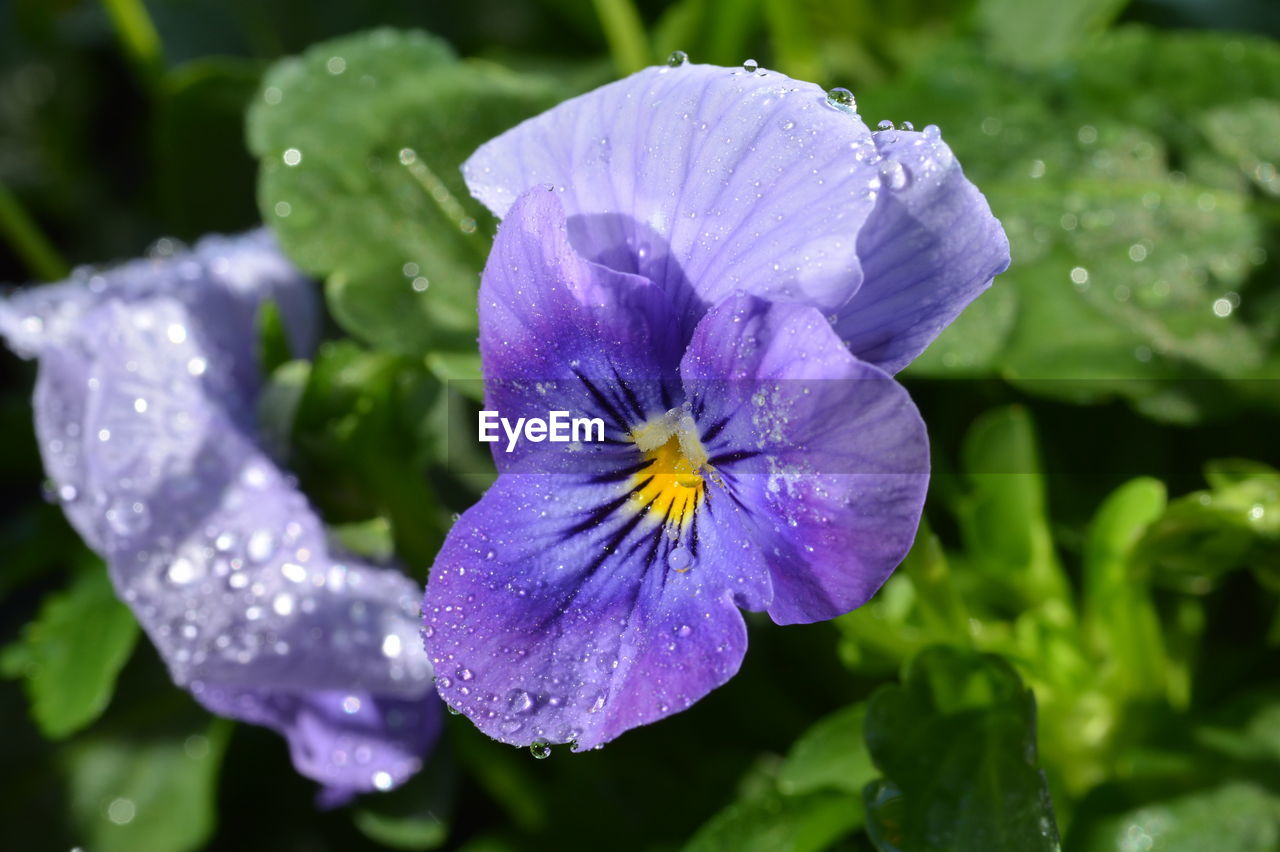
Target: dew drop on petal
[677,58]
[540,749]
[751,66]
[842,99]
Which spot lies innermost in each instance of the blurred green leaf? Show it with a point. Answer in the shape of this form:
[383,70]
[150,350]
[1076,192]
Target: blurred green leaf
[1003,518]
[203,171]
[831,755]
[778,823]
[357,440]
[371,539]
[1039,34]
[1235,817]
[1120,615]
[1134,238]
[73,651]
[1207,534]
[957,745]
[156,794]
[360,141]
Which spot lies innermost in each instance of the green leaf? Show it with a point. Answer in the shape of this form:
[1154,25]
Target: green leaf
[1207,534]
[273,338]
[1120,614]
[957,745]
[156,794]
[204,174]
[778,823]
[1039,34]
[1004,518]
[1235,817]
[73,651]
[360,141]
[359,450]
[831,755]
[371,539]
[1134,233]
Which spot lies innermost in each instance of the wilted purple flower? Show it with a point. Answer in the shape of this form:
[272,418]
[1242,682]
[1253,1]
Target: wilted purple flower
[726,268]
[144,408]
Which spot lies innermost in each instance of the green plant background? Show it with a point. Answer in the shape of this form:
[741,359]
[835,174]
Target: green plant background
[1080,651]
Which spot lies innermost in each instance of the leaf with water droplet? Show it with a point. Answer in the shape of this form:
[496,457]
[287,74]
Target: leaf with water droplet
[956,743]
[358,206]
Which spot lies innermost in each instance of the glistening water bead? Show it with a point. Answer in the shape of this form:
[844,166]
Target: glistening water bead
[677,58]
[540,749]
[842,99]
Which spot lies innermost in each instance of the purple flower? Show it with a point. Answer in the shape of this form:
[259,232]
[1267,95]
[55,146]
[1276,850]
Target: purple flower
[725,269]
[144,408]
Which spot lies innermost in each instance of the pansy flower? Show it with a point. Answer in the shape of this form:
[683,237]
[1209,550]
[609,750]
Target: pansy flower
[144,410]
[725,267]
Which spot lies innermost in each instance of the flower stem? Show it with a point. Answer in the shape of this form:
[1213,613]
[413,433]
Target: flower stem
[20,231]
[138,38]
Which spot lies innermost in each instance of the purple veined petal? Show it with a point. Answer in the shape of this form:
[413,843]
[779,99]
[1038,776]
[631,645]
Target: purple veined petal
[703,179]
[144,413]
[824,457]
[560,332]
[555,614]
[929,248]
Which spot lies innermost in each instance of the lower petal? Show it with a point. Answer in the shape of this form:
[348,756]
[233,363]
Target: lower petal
[550,618]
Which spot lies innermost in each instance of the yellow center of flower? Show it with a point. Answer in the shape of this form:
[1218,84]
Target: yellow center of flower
[671,485]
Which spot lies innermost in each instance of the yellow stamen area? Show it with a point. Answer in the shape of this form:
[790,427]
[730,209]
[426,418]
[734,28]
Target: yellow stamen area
[671,485]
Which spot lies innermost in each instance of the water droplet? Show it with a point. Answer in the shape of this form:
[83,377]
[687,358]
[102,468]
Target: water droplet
[382,780]
[677,58]
[465,674]
[351,705]
[540,749]
[906,125]
[453,711]
[886,124]
[842,99]
[292,157]
[679,559]
[751,66]
[894,174]
[519,701]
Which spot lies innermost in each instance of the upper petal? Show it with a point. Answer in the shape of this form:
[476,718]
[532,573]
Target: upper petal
[703,179]
[824,457]
[929,248]
[560,332]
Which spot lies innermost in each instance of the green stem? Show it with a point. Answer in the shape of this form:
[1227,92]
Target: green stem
[20,231]
[138,38]
[624,32]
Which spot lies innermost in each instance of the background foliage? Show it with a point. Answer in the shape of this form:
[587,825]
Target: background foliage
[1081,649]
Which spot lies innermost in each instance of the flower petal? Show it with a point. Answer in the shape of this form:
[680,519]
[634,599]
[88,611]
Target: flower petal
[703,179]
[144,411]
[552,616]
[560,332]
[930,247]
[825,457]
